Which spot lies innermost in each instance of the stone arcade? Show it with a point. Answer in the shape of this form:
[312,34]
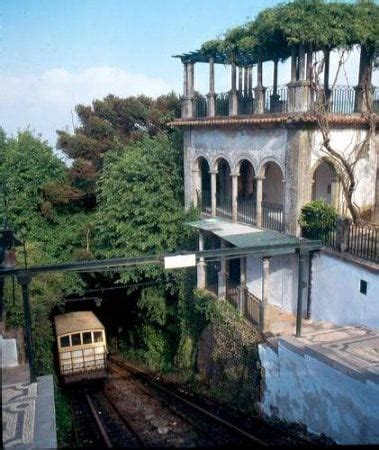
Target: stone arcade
[253,158]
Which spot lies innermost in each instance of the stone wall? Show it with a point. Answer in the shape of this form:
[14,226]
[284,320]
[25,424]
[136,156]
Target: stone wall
[335,295]
[345,140]
[296,150]
[301,388]
[282,281]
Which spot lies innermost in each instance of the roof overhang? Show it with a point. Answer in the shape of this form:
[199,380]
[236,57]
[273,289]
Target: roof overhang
[245,236]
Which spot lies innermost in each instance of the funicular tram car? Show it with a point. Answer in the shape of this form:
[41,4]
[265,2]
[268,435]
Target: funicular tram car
[82,350]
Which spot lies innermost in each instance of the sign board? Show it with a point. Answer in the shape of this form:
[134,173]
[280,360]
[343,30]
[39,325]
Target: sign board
[179,261]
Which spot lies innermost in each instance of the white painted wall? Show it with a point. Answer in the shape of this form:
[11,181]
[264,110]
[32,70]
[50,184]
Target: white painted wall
[344,141]
[282,283]
[322,183]
[335,295]
[273,184]
[303,389]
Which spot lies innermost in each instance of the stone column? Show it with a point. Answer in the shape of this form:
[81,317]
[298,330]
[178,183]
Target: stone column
[234,196]
[242,290]
[274,99]
[211,96]
[250,81]
[259,188]
[233,98]
[259,91]
[298,91]
[213,192]
[327,90]
[245,81]
[309,75]
[185,80]
[301,64]
[196,188]
[364,90]
[293,64]
[335,193]
[240,80]
[201,264]
[188,88]
[300,286]
[222,276]
[264,316]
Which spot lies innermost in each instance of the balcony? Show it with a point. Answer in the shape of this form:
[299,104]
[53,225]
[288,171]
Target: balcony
[342,101]
[271,213]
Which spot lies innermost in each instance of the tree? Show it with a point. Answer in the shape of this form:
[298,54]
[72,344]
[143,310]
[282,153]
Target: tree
[27,166]
[344,162]
[140,202]
[108,124]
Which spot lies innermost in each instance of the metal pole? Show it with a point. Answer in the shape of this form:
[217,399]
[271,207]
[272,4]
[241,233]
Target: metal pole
[299,295]
[24,280]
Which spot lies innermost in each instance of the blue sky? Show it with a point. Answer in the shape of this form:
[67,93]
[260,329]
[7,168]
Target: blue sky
[57,53]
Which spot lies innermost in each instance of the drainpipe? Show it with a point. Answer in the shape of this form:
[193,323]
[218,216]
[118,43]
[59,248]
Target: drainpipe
[309,293]
[299,294]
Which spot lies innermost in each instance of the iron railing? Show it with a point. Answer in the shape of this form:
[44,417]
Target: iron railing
[342,100]
[223,206]
[272,216]
[245,103]
[200,106]
[252,307]
[359,239]
[375,100]
[363,240]
[232,292]
[205,201]
[278,103]
[222,104]
[246,210]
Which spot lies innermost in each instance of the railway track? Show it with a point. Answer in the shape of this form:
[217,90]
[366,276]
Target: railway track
[98,423]
[203,418]
[133,410]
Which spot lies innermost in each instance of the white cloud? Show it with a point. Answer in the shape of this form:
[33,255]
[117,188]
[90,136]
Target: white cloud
[45,102]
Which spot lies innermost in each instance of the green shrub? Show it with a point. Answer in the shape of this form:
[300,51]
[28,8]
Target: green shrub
[317,218]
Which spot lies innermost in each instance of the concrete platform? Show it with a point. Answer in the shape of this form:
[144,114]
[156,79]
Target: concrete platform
[28,412]
[8,352]
[353,350]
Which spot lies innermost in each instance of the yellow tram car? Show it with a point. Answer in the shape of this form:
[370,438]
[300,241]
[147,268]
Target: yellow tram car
[82,350]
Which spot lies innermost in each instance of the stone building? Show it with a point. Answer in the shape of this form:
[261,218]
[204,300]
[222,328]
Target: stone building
[254,157]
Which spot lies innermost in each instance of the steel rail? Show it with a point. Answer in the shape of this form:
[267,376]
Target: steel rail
[124,420]
[85,266]
[194,406]
[100,426]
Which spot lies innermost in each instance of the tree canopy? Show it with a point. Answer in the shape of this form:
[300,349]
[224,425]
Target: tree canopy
[321,24]
[140,207]
[109,123]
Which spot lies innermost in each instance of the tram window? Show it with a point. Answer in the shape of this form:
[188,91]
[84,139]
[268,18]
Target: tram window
[65,341]
[87,338]
[75,339]
[98,336]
